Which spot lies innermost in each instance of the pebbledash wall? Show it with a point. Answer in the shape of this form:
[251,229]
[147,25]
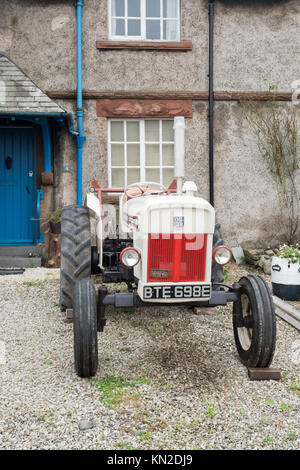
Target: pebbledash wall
[256,44]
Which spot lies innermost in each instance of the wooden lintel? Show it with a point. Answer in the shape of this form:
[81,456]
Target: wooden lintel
[170,95]
[144,108]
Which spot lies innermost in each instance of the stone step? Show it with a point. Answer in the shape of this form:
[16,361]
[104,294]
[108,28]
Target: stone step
[23,251]
[20,262]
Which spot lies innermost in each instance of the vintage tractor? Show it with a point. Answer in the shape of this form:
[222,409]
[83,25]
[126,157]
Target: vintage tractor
[165,245]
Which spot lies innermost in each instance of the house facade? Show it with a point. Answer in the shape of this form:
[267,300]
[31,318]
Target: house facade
[143,63]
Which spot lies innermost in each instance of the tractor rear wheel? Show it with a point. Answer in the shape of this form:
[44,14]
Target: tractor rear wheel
[85,329]
[254,323]
[76,259]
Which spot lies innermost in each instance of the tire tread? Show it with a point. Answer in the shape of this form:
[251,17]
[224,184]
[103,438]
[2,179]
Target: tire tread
[75,251]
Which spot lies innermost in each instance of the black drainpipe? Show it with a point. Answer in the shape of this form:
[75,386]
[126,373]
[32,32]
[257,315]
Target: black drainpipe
[211,103]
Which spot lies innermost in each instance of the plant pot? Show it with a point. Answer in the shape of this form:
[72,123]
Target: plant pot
[285,279]
[55,227]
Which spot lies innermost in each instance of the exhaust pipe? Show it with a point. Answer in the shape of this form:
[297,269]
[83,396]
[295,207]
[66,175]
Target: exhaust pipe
[179,152]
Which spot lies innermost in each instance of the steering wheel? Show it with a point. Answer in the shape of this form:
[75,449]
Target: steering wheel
[144,189]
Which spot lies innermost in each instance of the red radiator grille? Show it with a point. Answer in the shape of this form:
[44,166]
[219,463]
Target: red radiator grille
[179,257]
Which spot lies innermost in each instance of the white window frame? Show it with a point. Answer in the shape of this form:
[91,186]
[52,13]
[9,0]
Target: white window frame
[142,167]
[143,18]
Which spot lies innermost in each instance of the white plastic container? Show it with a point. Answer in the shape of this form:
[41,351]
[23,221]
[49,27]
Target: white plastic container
[285,279]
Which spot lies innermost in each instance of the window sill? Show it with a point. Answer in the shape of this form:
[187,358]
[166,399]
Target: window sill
[183,46]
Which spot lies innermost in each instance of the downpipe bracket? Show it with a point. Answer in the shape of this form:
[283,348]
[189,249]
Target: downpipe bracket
[80,140]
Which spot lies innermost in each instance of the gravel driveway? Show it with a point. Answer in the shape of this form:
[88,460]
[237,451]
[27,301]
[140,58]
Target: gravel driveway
[168,379]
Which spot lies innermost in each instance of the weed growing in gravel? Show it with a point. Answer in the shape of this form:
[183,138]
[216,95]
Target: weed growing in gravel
[292,436]
[55,304]
[267,441]
[125,446]
[157,329]
[125,349]
[47,362]
[283,407]
[143,435]
[264,420]
[269,401]
[225,273]
[33,284]
[294,388]
[243,412]
[210,411]
[128,310]
[114,389]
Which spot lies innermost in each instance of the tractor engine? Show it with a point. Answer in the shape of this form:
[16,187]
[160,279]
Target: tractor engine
[171,242]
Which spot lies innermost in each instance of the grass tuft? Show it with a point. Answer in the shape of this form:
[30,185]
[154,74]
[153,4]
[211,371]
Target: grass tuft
[114,389]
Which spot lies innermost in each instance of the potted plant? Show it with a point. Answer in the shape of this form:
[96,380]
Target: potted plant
[285,274]
[54,219]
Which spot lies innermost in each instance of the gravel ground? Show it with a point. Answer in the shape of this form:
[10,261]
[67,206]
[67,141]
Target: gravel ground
[168,379]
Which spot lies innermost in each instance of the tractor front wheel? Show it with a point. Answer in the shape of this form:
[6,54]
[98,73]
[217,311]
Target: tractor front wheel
[254,323]
[85,329]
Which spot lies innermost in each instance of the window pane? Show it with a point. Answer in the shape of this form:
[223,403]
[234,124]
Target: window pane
[117,131]
[167,131]
[170,8]
[117,178]
[153,29]
[118,27]
[168,155]
[134,28]
[153,8]
[170,30]
[152,131]
[153,174]
[117,155]
[133,155]
[152,155]
[168,176]
[133,175]
[118,8]
[134,8]
[133,131]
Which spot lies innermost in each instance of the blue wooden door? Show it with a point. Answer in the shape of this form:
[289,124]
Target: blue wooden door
[17,186]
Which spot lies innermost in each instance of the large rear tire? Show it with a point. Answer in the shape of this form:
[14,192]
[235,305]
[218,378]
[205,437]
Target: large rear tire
[254,323]
[76,259]
[85,329]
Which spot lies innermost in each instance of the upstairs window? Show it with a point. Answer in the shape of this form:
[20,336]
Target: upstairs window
[144,20]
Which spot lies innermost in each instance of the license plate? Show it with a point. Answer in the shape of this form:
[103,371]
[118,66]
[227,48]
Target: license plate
[177,292]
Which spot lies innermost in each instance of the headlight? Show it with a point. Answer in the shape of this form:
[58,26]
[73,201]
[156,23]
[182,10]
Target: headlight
[222,255]
[130,257]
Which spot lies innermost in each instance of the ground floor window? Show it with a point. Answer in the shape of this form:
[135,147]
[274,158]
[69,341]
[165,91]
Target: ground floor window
[140,150]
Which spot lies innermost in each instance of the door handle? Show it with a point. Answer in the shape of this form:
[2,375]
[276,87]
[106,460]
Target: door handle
[28,191]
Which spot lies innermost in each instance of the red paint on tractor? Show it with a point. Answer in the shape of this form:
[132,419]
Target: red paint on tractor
[182,255]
